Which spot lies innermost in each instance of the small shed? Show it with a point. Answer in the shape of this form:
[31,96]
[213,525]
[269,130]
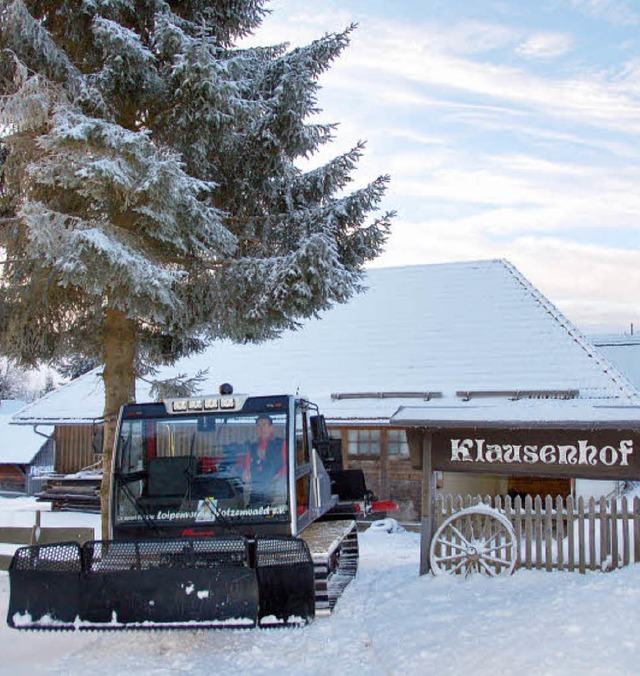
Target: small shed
[25,452]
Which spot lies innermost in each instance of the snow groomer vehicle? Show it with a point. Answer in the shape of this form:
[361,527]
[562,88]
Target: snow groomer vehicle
[222,513]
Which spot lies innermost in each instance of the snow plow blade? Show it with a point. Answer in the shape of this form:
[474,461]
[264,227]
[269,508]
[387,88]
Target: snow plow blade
[155,584]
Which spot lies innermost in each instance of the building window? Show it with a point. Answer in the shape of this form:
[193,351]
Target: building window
[397,443]
[335,432]
[363,442]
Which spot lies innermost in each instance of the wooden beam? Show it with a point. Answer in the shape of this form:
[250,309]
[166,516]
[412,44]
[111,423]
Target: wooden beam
[414,441]
[428,503]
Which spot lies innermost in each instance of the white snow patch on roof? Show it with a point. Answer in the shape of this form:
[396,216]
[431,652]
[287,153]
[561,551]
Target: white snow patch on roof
[446,328]
[10,406]
[18,443]
[506,413]
[623,351]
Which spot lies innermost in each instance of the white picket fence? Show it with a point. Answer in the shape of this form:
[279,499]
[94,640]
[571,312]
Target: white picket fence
[556,534]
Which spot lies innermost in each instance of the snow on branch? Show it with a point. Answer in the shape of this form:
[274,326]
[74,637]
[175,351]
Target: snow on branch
[317,185]
[27,38]
[151,168]
[129,66]
[314,59]
[86,256]
[179,386]
[117,39]
[117,170]
[264,297]
[29,108]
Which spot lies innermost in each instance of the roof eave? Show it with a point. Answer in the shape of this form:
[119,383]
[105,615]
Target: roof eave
[434,423]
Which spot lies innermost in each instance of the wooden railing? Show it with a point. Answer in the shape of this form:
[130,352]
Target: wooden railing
[38,535]
[570,534]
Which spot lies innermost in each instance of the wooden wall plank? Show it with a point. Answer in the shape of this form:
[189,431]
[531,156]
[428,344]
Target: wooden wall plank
[571,534]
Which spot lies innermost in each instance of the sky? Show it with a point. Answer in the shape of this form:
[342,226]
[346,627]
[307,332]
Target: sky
[510,129]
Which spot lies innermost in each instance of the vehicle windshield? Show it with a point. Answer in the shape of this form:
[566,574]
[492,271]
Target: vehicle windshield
[202,468]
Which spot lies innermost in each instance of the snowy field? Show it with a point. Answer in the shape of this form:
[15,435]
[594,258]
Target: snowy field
[390,621]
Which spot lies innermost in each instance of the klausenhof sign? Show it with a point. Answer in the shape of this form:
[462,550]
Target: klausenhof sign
[587,454]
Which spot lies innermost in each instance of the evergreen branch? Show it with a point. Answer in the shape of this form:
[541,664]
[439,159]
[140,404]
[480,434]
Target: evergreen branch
[178,386]
[149,172]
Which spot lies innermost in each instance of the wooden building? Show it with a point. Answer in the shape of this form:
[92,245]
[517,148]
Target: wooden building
[24,452]
[79,447]
[474,340]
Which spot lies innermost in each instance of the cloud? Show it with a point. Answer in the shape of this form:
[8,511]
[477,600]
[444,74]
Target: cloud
[545,46]
[495,149]
[415,136]
[394,61]
[614,11]
[583,98]
[463,37]
[513,192]
[596,287]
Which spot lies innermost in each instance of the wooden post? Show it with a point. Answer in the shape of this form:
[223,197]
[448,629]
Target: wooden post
[548,532]
[539,526]
[560,531]
[384,466]
[571,536]
[613,533]
[626,545]
[428,503]
[636,530]
[528,530]
[593,564]
[582,549]
[604,531]
[35,531]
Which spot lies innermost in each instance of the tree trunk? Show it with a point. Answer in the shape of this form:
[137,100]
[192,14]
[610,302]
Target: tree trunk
[119,387]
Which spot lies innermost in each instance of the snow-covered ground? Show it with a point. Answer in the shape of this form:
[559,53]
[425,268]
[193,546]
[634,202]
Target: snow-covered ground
[389,621]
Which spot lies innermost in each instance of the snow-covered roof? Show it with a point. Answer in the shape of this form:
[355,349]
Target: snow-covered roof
[10,406]
[496,413]
[428,335]
[18,444]
[623,351]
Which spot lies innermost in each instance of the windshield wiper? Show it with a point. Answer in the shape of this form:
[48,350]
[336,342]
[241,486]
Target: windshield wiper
[123,481]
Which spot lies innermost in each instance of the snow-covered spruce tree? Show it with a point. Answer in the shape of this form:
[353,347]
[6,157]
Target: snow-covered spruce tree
[150,200]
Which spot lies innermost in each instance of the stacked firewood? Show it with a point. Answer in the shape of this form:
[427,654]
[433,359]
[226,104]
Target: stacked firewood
[72,493]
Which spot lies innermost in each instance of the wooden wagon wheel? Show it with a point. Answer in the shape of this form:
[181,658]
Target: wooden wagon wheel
[476,540]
